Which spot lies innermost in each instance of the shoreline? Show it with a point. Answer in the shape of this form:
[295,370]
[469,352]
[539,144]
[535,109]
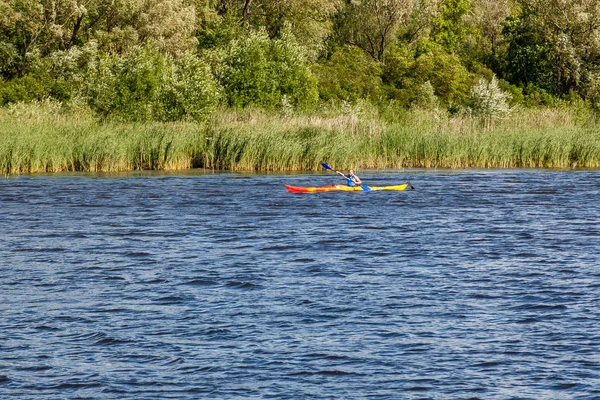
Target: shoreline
[196,172]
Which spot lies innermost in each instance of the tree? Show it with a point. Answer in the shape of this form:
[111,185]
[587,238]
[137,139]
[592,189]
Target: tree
[118,25]
[529,56]
[561,39]
[487,17]
[419,23]
[349,75]
[372,25]
[449,77]
[257,70]
[22,24]
[147,85]
[308,20]
[30,29]
[449,26]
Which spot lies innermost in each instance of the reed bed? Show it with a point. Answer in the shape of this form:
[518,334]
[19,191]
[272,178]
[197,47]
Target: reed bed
[43,138]
[47,137]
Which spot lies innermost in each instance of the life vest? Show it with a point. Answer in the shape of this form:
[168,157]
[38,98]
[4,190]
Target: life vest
[350,181]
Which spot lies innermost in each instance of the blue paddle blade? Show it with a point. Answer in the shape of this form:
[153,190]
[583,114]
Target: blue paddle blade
[326,166]
[365,188]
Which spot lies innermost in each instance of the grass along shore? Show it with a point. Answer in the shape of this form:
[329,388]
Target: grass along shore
[47,137]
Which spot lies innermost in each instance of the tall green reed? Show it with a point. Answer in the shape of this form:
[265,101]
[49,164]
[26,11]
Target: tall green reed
[49,138]
[33,141]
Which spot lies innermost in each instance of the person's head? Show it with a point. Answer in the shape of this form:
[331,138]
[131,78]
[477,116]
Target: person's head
[350,172]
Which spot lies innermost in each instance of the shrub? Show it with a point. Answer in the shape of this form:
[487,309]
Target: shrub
[124,86]
[296,83]
[260,71]
[535,96]
[349,75]
[425,97]
[398,63]
[594,99]
[450,79]
[24,89]
[515,92]
[489,101]
[189,90]
[427,66]
[146,85]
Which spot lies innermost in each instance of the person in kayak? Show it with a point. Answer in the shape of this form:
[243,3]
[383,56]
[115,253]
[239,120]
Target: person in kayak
[352,180]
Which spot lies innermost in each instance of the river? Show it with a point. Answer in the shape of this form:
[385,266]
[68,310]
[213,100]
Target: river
[478,284]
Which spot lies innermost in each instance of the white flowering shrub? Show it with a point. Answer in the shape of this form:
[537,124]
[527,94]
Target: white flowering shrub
[489,101]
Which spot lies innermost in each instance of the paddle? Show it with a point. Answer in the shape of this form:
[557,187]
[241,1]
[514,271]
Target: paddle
[363,187]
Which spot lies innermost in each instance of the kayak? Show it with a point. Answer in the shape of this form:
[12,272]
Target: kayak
[344,188]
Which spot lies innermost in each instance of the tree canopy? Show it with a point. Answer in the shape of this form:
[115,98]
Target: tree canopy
[176,59]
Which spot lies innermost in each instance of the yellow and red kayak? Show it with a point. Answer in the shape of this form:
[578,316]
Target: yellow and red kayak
[344,188]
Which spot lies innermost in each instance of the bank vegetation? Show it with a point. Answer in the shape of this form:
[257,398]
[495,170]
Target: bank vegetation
[44,137]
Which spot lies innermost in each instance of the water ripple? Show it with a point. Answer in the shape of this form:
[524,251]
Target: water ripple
[477,285]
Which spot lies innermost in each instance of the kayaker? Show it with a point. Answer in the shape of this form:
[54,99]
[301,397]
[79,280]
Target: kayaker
[352,180]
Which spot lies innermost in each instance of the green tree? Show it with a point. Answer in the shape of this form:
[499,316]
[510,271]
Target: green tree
[560,40]
[350,74]
[118,25]
[449,26]
[373,25]
[450,79]
[260,71]
[33,29]
[419,25]
[22,28]
[407,71]
[308,20]
[147,85]
[529,56]
[487,18]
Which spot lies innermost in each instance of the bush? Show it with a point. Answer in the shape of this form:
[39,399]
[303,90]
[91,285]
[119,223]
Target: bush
[349,75]
[515,92]
[594,99]
[399,61]
[189,90]
[296,83]
[25,89]
[535,96]
[408,72]
[9,57]
[146,85]
[450,79]
[56,76]
[489,101]
[425,97]
[264,72]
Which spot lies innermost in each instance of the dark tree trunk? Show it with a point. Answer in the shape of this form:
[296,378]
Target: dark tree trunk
[76,29]
[246,9]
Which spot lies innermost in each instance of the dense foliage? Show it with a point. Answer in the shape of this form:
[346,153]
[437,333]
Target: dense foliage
[147,85]
[171,60]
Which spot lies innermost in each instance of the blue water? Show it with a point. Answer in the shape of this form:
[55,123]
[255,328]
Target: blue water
[476,285]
